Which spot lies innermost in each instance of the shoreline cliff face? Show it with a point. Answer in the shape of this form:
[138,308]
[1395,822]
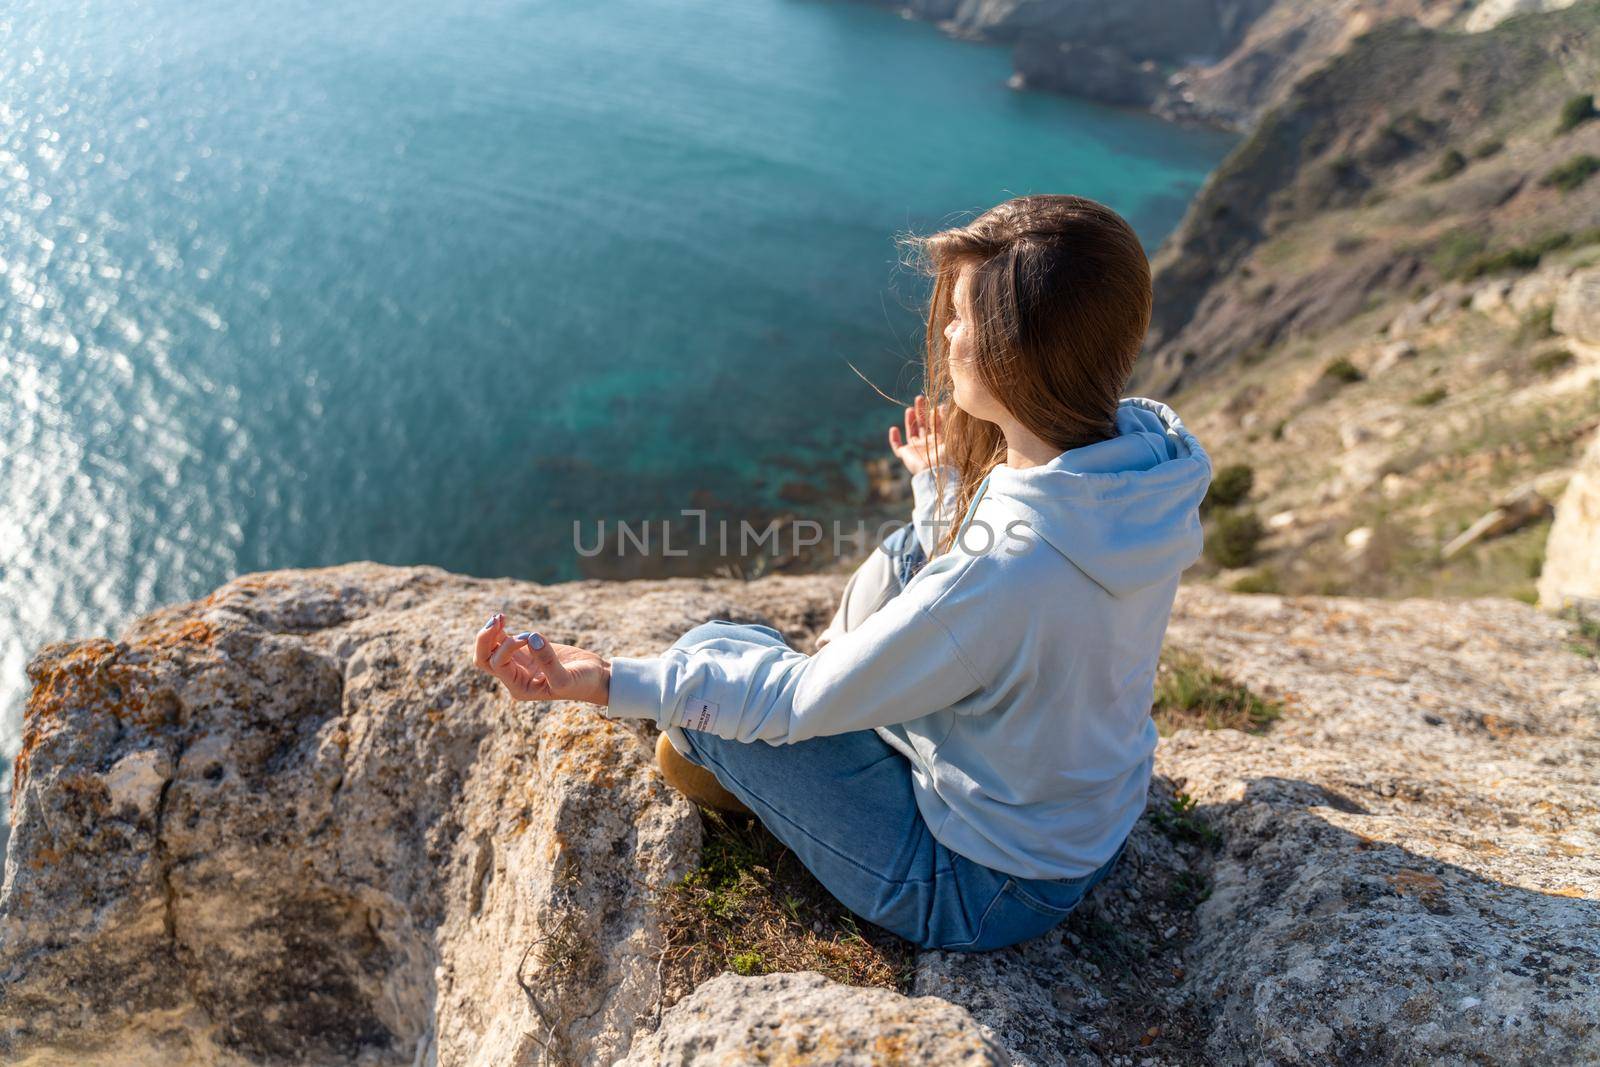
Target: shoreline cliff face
[1371,309]
[1223,62]
[291,823]
[1371,128]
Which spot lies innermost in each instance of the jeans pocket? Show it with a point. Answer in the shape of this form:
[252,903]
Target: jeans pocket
[984,925]
[1055,899]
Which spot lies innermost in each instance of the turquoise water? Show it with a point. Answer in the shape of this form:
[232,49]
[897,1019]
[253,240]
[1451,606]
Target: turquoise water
[292,284]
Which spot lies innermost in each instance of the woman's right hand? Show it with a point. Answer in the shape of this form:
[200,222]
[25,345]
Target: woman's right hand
[922,447]
[532,668]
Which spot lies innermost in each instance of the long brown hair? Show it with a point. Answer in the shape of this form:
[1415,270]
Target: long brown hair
[1061,296]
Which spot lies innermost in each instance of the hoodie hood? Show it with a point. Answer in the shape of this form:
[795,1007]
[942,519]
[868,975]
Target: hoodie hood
[1125,510]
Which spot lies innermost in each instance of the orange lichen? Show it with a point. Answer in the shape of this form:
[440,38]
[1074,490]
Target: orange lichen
[892,1047]
[87,675]
[1502,729]
[93,676]
[590,748]
[186,632]
[44,858]
[1414,881]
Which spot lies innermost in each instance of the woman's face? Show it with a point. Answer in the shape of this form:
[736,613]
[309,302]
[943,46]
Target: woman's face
[970,394]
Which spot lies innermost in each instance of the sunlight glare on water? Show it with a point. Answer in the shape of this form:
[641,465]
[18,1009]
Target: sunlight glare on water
[289,285]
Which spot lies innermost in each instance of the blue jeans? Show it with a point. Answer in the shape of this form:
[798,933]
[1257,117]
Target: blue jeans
[844,805]
[907,552]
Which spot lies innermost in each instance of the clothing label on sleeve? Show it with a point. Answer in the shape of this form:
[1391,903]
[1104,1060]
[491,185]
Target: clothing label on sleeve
[701,715]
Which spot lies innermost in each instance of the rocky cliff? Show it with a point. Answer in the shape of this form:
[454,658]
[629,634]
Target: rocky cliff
[290,823]
[1373,307]
[1408,160]
[1225,62]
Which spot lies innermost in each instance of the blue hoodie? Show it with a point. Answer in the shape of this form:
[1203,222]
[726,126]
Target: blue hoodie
[1015,672]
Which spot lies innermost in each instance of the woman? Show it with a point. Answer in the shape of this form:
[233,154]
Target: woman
[970,745]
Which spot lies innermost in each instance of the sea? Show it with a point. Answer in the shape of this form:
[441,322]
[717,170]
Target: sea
[298,283]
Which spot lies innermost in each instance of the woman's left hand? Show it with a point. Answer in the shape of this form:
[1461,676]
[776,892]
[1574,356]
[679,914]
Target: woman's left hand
[532,668]
[923,447]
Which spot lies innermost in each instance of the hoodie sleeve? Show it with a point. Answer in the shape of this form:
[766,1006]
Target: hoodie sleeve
[931,514]
[901,663]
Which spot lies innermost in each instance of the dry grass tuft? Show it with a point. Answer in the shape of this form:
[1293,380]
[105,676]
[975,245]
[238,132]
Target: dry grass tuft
[1189,693]
[751,907]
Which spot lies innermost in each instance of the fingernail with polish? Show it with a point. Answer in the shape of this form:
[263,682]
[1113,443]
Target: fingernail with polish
[522,636]
[490,622]
[535,641]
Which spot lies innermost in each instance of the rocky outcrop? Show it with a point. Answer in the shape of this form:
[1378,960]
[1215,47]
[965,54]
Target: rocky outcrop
[1490,13]
[1172,30]
[803,1017]
[1577,310]
[1280,45]
[1571,573]
[290,823]
[1223,62]
[1114,53]
[1095,72]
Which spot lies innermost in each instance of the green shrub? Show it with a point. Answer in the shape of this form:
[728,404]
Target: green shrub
[1342,371]
[1264,580]
[1450,164]
[1575,112]
[1521,258]
[1571,174]
[1234,538]
[1230,486]
[1456,249]
[1277,429]
[1586,638]
[1179,822]
[1485,149]
[1552,361]
[748,963]
[1431,397]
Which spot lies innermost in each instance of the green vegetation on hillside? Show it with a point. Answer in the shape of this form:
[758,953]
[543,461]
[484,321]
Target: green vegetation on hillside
[1575,112]
[1573,173]
[1234,537]
[1460,255]
[1229,486]
[1343,371]
[1450,164]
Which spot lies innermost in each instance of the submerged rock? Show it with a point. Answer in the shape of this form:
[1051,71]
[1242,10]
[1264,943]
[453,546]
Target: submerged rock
[289,823]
